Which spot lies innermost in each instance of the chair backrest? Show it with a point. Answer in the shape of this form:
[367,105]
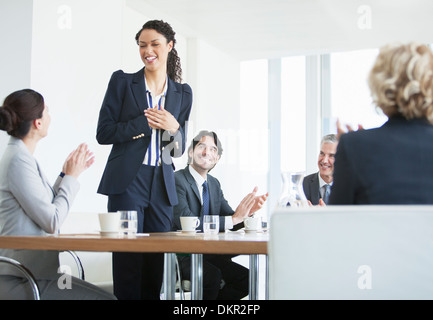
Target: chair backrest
[71,258]
[351,252]
[26,274]
[97,265]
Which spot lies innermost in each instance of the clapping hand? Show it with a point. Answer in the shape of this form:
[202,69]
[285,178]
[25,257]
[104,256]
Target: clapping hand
[244,208]
[249,205]
[341,130]
[78,161]
[259,201]
[321,203]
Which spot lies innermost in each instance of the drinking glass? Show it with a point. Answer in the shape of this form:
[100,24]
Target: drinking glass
[128,223]
[211,224]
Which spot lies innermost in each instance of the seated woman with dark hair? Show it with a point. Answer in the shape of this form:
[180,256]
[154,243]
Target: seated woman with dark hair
[29,205]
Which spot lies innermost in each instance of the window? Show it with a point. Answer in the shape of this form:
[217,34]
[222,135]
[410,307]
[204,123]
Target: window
[293,116]
[350,95]
[254,116]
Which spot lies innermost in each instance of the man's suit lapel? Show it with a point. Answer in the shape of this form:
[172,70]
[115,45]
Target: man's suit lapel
[212,188]
[315,188]
[191,181]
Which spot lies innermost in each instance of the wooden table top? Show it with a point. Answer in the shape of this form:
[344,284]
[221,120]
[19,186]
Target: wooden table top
[170,242]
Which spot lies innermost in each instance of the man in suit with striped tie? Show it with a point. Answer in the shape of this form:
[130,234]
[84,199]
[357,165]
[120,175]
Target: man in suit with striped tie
[200,194]
[317,186]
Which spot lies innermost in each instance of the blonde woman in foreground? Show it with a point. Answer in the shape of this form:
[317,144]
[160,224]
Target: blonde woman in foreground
[392,164]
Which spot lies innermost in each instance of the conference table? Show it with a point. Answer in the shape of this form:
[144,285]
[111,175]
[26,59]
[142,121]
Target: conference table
[169,243]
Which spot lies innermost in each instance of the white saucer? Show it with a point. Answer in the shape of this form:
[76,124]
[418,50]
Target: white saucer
[109,233]
[188,231]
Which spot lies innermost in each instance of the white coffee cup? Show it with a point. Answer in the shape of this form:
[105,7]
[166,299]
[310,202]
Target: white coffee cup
[189,223]
[253,223]
[109,222]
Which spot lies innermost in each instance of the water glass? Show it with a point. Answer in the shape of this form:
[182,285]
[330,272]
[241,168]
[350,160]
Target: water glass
[211,224]
[128,223]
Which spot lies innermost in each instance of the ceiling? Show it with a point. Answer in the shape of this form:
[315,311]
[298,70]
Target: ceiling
[254,29]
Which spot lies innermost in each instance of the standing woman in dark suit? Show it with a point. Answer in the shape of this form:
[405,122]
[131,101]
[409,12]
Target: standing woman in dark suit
[144,116]
[392,164]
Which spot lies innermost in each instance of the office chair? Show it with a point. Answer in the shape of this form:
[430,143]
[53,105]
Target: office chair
[78,263]
[27,274]
[368,252]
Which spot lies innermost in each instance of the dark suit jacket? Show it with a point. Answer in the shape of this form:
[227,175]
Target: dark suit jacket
[392,164]
[311,187]
[122,123]
[189,200]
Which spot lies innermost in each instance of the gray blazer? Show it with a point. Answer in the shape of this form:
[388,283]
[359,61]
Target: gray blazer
[30,206]
[190,204]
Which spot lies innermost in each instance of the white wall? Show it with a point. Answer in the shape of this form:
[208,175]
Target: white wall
[15,16]
[76,46]
[214,78]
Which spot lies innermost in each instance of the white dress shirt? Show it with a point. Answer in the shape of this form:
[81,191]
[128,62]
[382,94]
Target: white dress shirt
[155,139]
[199,181]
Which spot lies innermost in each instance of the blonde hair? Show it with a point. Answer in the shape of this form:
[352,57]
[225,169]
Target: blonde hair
[401,81]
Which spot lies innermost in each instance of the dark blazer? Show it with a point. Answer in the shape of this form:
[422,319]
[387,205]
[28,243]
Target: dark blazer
[311,187]
[189,200]
[392,164]
[122,123]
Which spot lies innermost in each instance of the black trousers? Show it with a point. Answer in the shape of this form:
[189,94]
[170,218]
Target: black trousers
[138,276]
[223,279]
